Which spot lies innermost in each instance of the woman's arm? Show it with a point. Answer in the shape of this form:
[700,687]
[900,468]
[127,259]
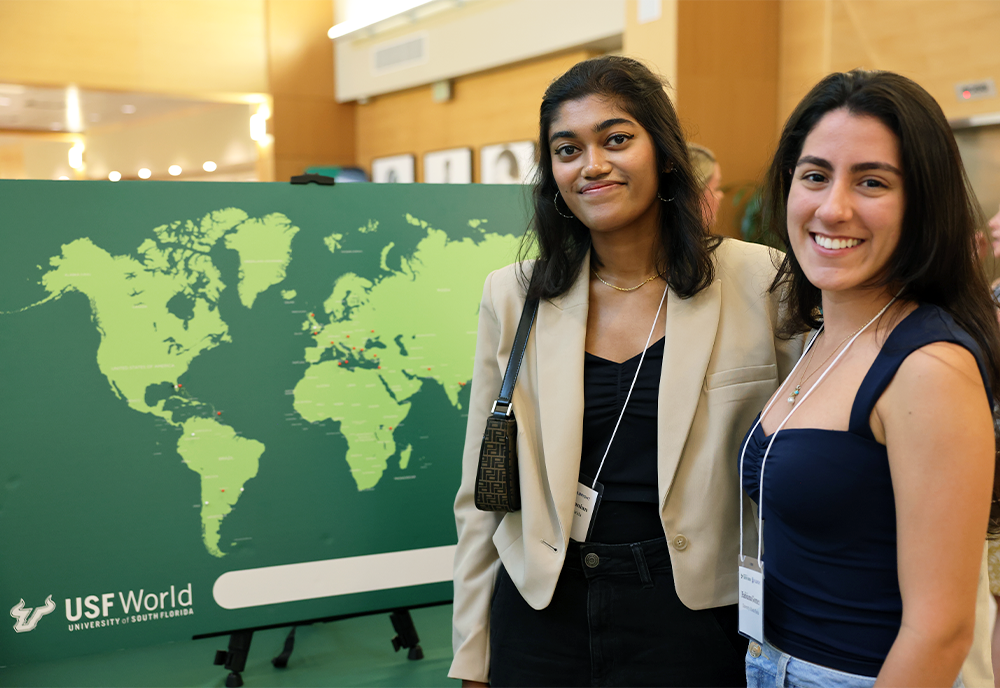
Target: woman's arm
[938,428]
[476,558]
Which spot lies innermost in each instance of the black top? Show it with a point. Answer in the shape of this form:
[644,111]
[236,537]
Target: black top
[629,510]
[831,586]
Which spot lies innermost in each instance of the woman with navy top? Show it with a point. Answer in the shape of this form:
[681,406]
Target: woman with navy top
[873,464]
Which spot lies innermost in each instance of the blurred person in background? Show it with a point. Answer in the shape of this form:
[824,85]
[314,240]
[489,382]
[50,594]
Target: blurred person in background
[709,176]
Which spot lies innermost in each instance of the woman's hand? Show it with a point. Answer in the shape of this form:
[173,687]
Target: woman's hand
[474,684]
[937,425]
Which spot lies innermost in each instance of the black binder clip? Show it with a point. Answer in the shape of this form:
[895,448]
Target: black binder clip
[320,179]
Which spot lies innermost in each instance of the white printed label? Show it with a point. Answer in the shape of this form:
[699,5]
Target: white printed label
[583,512]
[752,599]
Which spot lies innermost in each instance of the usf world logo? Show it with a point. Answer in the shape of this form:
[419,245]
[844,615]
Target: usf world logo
[28,617]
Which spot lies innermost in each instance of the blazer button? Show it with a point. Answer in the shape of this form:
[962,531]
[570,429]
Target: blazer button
[591,560]
[680,542]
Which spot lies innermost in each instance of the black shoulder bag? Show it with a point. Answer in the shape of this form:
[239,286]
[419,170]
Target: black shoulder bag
[497,483]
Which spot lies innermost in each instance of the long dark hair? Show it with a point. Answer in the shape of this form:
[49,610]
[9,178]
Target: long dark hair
[559,243]
[935,259]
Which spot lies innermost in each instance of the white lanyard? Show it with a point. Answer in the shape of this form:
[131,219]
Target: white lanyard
[631,387]
[760,486]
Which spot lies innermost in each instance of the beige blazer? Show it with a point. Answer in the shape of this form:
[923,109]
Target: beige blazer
[721,363]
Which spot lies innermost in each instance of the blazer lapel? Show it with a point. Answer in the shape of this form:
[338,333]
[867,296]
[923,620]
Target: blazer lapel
[687,348]
[561,338]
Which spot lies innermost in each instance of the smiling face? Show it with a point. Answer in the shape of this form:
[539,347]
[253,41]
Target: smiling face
[845,204]
[604,164]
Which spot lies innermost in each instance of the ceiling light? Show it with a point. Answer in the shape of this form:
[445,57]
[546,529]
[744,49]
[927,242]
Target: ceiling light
[144,173]
[74,117]
[63,178]
[115,176]
[373,14]
[258,127]
[75,156]
[128,109]
[174,170]
[209,166]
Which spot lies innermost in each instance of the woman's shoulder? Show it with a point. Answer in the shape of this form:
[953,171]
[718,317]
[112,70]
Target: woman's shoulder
[734,253]
[929,343]
[509,282]
[746,263]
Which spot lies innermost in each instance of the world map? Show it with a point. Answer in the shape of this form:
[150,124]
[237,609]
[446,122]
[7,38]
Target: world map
[379,337]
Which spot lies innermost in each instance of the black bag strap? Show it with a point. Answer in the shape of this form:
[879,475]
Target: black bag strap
[502,406]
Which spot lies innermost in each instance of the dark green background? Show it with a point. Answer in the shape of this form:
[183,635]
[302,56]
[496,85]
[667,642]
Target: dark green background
[94,498]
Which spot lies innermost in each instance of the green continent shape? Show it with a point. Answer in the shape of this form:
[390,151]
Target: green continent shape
[265,249]
[142,343]
[155,313]
[225,463]
[366,410]
[375,330]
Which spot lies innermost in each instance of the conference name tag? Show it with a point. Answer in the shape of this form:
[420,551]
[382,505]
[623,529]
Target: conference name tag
[584,509]
[752,599]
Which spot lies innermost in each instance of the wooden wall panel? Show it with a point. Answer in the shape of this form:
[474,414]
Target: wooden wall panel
[309,126]
[164,46]
[727,86]
[654,42]
[937,43]
[12,161]
[493,107]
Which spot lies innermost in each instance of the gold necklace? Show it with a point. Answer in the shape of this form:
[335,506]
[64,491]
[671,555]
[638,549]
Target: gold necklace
[794,396]
[644,282]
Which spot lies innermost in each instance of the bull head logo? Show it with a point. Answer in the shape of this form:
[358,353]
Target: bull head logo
[28,617]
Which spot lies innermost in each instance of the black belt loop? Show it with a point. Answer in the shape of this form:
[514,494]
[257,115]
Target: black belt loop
[640,562]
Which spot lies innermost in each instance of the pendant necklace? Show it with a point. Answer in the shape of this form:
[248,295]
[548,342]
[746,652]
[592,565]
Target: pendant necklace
[794,396]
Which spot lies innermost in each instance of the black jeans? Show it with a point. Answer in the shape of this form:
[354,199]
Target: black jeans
[615,620]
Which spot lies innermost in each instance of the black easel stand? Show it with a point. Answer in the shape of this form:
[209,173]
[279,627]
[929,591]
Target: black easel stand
[406,634]
[235,659]
[281,661]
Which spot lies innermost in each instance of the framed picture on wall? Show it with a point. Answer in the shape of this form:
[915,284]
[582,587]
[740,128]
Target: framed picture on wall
[507,163]
[396,169]
[448,166]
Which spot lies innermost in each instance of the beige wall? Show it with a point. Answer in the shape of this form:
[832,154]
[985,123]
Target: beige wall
[216,132]
[655,42]
[162,46]
[493,107]
[937,43]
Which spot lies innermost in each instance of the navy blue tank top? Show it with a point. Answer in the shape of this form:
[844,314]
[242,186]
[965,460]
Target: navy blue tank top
[831,589]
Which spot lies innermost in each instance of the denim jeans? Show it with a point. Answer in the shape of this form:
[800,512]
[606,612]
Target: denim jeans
[776,669]
[614,620]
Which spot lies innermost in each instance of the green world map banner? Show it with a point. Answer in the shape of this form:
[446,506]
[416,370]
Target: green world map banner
[228,406]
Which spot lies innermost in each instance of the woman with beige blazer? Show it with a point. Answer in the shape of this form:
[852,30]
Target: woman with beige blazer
[652,349]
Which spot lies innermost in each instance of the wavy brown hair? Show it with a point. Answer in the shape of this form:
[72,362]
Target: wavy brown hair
[560,244]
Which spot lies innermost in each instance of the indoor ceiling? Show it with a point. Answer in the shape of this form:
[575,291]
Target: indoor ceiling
[31,108]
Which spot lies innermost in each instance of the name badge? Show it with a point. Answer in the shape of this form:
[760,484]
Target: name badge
[752,599]
[585,509]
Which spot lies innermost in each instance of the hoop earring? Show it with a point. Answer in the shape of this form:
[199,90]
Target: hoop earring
[665,200]
[555,202]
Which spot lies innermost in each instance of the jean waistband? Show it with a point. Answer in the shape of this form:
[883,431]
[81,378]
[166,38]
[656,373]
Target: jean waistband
[636,558]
